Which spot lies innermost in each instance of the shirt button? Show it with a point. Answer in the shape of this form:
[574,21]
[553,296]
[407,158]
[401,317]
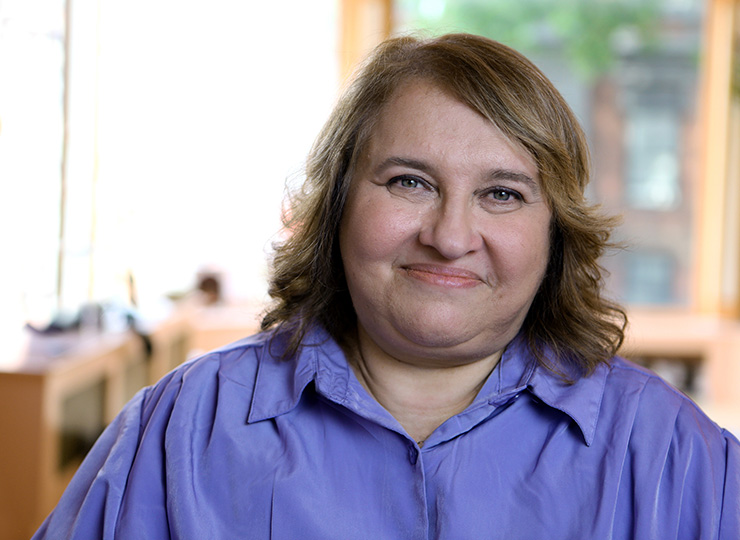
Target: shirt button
[413,455]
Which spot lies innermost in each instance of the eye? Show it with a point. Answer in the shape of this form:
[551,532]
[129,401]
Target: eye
[406,181]
[501,199]
[504,195]
[410,187]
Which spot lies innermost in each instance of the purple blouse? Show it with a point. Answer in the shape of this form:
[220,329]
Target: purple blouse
[241,444]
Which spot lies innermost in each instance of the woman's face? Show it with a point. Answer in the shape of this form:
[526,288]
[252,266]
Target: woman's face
[445,234]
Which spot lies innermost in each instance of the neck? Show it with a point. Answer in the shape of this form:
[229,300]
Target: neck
[420,397]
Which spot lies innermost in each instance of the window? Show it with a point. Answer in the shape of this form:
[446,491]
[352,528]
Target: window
[651,139]
[32,65]
[184,120]
[651,277]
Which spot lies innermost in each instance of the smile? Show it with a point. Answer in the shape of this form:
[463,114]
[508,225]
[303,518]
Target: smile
[443,276]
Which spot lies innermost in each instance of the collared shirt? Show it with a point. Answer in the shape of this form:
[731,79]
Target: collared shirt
[243,444]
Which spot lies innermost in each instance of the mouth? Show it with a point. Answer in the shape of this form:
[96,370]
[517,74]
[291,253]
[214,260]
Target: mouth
[443,276]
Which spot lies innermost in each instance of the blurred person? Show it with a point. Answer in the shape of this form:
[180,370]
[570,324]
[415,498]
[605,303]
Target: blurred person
[439,360]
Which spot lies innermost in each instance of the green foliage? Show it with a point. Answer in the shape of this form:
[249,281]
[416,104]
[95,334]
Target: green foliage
[585,31]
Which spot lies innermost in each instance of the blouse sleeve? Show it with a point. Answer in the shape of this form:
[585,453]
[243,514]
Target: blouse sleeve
[90,505]
[729,527]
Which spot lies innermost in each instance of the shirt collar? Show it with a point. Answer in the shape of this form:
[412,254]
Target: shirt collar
[581,400]
[280,382]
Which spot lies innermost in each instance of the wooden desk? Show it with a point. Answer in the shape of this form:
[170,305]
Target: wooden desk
[54,402]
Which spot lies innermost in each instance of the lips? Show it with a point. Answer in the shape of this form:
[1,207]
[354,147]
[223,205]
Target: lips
[443,276]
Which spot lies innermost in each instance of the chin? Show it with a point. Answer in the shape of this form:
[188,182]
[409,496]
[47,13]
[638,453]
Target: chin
[446,343]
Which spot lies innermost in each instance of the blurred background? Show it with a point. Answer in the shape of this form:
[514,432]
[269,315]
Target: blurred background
[145,149]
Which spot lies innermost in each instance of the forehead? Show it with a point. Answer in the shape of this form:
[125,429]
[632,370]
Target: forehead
[422,119]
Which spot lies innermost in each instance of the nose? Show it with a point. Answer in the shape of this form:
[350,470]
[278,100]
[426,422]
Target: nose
[451,229]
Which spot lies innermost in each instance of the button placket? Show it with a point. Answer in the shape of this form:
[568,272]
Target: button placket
[413,454]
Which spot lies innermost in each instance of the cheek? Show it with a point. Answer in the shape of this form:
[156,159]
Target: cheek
[372,231]
[538,238]
[525,251]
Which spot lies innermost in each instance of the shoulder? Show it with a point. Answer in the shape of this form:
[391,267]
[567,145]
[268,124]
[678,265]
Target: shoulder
[249,377]
[677,457]
[626,377]
[205,376]
[647,389]
[641,389]
[657,414]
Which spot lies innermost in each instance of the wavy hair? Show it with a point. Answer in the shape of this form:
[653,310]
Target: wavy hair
[570,327]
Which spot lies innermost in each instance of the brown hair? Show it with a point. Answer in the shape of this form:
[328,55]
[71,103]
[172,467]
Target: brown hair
[569,316]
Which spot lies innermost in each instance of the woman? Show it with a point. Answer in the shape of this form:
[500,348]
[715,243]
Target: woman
[438,362]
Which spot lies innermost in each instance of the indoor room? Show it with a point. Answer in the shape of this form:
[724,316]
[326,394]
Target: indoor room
[149,151]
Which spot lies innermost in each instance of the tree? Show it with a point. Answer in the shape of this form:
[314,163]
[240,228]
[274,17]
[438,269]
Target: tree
[592,34]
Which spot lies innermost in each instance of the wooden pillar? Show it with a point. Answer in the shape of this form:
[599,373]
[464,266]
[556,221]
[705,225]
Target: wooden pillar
[364,24]
[718,243]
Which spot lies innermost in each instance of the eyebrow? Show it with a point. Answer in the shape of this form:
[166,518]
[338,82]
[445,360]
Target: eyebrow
[494,174]
[404,162]
[515,176]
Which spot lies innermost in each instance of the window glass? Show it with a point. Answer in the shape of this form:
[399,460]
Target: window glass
[184,120]
[651,140]
[629,69]
[32,34]
[650,276]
